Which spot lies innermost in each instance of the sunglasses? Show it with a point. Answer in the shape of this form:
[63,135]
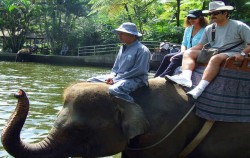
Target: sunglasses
[193,18]
[214,13]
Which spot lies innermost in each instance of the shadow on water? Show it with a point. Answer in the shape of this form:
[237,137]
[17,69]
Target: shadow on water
[44,85]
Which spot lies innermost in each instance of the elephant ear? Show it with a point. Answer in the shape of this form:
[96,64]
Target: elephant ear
[131,118]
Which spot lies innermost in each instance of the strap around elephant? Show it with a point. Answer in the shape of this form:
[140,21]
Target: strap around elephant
[197,140]
[167,135]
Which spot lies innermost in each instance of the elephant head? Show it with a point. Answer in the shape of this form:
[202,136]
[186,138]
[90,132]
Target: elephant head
[91,123]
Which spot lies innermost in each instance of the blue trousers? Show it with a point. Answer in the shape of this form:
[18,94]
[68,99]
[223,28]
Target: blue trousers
[168,67]
[122,88]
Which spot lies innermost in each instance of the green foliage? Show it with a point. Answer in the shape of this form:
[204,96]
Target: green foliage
[15,18]
[137,11]
[241,10]
[90,22]
[59,23]
[107,6]
[166,33]
[185,6]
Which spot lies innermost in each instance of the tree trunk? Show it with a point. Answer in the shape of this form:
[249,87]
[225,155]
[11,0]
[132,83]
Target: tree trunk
[178,13]
[129,17]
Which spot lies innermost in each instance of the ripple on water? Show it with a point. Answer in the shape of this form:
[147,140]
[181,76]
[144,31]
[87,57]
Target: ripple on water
[3,155]
[44,85]
[6,109]
[33,135]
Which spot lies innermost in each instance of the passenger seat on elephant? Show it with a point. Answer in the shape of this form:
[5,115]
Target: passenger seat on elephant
[227,97]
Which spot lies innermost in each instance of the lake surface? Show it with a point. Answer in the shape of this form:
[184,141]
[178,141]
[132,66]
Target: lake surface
[44,85]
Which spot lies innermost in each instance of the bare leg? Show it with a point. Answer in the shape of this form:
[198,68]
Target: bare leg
[209,74]
[189,58]
[188,65]
[213,67]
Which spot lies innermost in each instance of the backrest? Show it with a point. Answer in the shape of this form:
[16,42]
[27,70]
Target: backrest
[230,63]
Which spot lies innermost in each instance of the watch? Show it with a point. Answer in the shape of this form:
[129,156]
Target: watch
[243,54]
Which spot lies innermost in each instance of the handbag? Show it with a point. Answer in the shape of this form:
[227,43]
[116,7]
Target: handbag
[205,55]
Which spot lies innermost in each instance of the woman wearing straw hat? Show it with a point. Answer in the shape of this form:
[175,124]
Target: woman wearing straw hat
[230,35]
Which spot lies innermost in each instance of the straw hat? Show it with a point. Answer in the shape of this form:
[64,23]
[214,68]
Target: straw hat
[217,5]
[128,27]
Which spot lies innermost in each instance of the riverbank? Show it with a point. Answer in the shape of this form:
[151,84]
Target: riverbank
[98,60]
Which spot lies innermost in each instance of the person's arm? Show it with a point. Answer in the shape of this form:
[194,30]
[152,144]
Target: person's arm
[239,57]
[185,39]
[140,68]
[199,46]
[114,70]
[184,42]
[247,49]
[245,35]
[116,64]
[203,40]
[183,48]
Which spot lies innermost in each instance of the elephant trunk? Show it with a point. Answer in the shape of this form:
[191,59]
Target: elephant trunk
[11,135]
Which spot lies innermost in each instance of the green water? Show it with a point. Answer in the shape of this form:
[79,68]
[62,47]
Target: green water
[44,85]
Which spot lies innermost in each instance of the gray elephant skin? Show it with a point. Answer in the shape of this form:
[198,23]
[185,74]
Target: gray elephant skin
[94,124]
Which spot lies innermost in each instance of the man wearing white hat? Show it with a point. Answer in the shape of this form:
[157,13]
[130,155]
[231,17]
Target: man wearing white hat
[230,35]
[130,70]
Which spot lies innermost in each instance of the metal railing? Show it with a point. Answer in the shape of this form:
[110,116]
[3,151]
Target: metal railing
[111,48]
[98,49]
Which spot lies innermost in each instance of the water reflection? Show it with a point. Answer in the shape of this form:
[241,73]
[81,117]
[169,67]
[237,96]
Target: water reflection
[44,85]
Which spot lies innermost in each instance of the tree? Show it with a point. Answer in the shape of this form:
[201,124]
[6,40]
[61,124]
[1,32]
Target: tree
[89,22]
[240,12]
[15,18]
[58,21]
[136,11]
[110,7]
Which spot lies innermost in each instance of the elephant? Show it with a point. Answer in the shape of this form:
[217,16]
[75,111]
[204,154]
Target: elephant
[93,124]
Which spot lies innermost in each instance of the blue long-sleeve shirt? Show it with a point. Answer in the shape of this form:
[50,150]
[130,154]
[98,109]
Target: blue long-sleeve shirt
[133,62]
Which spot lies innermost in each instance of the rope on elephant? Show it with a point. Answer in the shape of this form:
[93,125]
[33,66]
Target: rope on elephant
[227,98]
[167,135]
[197,140]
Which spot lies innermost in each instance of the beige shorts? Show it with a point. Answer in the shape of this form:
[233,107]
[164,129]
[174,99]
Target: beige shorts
[230,54]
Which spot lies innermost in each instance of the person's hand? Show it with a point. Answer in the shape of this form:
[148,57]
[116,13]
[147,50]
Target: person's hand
[171,58]
[109,81]
[238,57]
